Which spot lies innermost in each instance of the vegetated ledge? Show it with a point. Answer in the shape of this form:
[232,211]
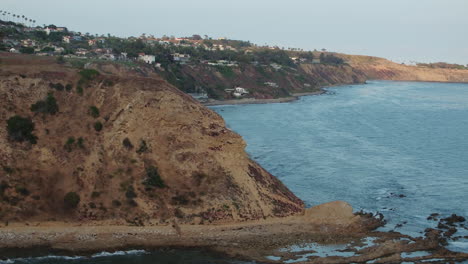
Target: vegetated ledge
[160,166]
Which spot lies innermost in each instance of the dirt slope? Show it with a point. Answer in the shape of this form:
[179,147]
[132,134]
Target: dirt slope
[148,128]
[381,69]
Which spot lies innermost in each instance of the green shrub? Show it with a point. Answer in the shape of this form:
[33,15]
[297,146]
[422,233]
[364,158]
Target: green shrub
[142,148]
[116,203]
[93,111]
[47,106]
[20,129]
[68,87]
[22,190]
[80,142]
[88,74]
[130,193]
[127,143]
[79,90]
[26,50]
[69,144]
[98,126]
[92,205]
[78,63]
[8,170]
[71,200]
[95,194]
[153,178]
[3,186]
[57,86]
[226,71]
[60,60]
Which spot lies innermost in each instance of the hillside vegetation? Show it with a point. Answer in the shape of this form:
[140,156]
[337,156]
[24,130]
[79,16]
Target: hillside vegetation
[105,143]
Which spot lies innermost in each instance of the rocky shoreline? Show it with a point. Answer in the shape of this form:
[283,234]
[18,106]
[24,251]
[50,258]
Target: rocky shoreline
[269,240]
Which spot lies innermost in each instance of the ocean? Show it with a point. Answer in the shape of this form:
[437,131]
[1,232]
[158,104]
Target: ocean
[399,148]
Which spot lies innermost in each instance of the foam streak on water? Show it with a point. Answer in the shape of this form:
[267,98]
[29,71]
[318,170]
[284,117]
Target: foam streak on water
[400,148]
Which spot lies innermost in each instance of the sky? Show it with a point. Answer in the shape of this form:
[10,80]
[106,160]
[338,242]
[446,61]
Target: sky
[400,30]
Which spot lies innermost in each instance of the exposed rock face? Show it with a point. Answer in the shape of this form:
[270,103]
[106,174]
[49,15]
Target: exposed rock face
[382,69]
[149,128]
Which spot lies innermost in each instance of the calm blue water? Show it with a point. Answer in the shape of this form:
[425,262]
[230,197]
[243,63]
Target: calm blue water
[368,144]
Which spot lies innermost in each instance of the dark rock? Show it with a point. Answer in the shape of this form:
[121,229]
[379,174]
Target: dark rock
[451,220]
[450,232]
[442,226]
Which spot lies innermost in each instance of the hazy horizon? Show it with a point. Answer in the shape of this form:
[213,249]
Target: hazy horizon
[400,30]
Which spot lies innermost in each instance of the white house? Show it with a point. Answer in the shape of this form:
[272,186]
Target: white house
[13,50]
[182,58]
[239,91]
[150,59]
[66,39]
[58,49]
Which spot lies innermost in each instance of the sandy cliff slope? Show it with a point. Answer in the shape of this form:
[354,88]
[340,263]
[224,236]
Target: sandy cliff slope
[149,128]
[382,69]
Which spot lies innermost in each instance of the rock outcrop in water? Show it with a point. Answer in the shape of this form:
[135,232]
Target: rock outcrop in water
[122,146]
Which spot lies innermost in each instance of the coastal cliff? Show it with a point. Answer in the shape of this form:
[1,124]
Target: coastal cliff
[122,146]
[382,69]
[261,81]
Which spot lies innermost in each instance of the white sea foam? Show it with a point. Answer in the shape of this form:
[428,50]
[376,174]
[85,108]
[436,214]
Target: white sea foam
[119,253]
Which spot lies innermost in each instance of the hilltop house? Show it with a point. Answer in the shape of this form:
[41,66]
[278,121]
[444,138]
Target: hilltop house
[62,29]
[182,58]
[316,60]
[28,43]
[150,59]
[66,39]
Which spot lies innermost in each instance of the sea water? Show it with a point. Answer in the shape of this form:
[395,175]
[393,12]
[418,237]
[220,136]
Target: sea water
[399,148]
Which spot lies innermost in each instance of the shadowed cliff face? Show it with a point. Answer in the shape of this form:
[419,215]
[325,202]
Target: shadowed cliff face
[287,80]
[159,154]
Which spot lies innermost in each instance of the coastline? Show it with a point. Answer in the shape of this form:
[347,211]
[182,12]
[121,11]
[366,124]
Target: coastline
[327,224]
[291,98]
[295,96]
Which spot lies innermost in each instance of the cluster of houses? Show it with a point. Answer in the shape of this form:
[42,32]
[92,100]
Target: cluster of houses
[185,42]
[299,60]
[94,48]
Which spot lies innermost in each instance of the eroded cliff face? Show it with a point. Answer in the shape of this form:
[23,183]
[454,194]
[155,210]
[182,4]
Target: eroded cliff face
[149,128]
[382,69]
